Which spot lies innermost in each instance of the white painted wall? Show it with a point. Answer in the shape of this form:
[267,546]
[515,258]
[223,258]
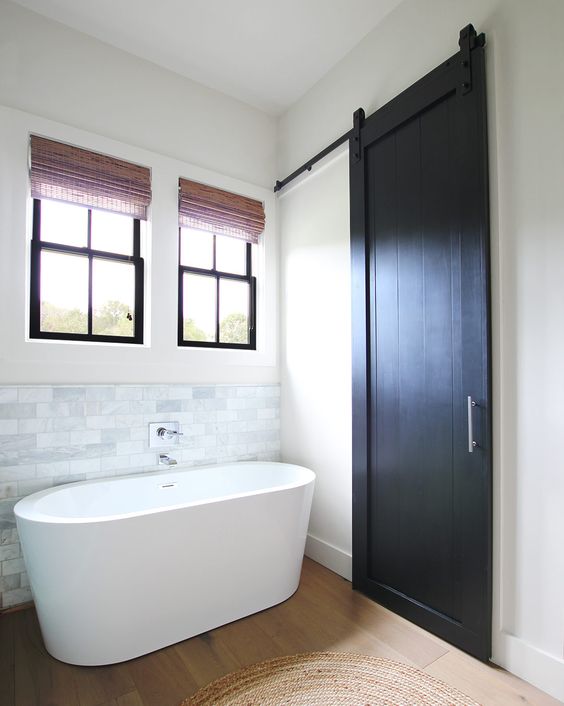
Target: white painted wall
[51,70]
[315,355]
[525,56]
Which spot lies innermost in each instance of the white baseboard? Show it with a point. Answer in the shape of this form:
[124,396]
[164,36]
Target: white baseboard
[327,555]
[539,668]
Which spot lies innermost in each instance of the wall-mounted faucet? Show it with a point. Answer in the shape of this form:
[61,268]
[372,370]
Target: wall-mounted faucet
[164,434]
[166,460]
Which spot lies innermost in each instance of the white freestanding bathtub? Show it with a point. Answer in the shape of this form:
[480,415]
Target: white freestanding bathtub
[125,566]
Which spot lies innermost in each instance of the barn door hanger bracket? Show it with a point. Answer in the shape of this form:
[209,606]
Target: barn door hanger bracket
[355,150]
[352,136]
[468,40]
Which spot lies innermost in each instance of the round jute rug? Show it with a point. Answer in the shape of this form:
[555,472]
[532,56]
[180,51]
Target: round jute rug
[329,679]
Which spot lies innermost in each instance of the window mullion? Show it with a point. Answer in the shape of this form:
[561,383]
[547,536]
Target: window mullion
[89,234]
[136,238]
[35,309]
[138,322]
[36,230]
[216,307]
[249,261]
[90,258]
[211,273]
[214,265]
[90,268]
[77,250]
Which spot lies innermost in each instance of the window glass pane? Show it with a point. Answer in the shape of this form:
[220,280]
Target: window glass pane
[233,311]
[64,293]
[112,232]
[199,308]
[196,248]
[113,298]
[64,223]
[231,255]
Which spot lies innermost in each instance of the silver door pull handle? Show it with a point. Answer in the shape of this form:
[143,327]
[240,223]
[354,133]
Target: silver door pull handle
[471,443]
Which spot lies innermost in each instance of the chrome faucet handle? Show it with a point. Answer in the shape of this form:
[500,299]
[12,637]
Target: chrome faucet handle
[165,433]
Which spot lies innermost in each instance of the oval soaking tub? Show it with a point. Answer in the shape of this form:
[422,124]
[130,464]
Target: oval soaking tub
[124,566]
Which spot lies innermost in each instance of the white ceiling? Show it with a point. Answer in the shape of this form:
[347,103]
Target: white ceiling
[266,53]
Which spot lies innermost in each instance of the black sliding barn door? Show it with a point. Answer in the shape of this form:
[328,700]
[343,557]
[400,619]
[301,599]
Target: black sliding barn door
[421,398]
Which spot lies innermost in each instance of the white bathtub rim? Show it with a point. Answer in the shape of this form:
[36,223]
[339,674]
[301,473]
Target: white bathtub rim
[25,509]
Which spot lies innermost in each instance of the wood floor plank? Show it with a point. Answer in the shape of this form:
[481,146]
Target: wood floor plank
[206,658]
[7,660]
[334,628]
[130,699]
[97,685]
[490,686]
[324,614]
[247,642]
[409,641]
[289,634]
[161,679]
[40,680]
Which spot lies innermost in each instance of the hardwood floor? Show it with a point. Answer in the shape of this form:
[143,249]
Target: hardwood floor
[324,614]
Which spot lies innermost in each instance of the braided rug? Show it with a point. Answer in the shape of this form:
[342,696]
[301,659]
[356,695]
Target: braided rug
[329,679]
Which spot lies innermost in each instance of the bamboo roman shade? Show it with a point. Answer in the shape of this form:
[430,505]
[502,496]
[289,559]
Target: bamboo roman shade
[222,212]
[67,173]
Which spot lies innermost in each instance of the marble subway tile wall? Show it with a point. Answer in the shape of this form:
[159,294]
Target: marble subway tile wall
[51,435]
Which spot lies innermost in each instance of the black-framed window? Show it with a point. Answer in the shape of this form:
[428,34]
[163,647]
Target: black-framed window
[216,291]
[87,274]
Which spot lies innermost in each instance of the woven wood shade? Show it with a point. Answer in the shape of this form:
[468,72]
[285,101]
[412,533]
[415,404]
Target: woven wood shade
[66,173]
[207,208]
